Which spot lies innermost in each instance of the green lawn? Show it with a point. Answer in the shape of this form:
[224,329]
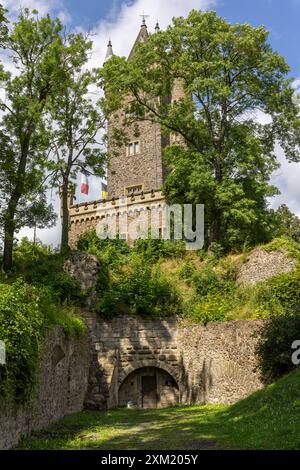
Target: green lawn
[269,419]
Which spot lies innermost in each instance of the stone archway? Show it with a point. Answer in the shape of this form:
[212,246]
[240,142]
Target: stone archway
[149,387]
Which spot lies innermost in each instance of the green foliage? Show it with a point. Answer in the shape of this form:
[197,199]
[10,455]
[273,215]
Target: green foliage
[138,289]
[38,265]
[286,224]
[215,291]
[37,296]
[108,251]
[26,312]
[213,307]
[187,272]
[283,243]
[21,329]
[275,344]
[74,124]
[202,288]
[154,250]
[278,294]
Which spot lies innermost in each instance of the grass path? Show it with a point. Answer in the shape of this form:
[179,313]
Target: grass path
[174,428]
[269,419]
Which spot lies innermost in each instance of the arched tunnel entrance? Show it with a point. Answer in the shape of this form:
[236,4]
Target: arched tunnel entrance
[149,387]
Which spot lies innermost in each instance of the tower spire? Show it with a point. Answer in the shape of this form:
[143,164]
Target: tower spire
[144,17]
[110,51]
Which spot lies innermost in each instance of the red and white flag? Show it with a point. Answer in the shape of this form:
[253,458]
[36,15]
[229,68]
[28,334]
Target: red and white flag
[84,184]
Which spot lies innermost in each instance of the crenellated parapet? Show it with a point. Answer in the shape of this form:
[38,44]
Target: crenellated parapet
[118,215]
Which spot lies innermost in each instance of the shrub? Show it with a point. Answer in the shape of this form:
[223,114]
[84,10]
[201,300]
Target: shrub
[187,272]
[154,250]
[284,243]
[138,289]
[209,281]
[275,344]
[109,251]
[212,308]
[25,313]
[278,294]
[38,265]
[21,328]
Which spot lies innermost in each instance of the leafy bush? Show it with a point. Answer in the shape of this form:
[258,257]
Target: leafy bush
[138,289]
[38,265]
[284,243]
[154,250]
[108,251]
[278,294]
[209,281]
[275,344]
[21,329]
[212,308]
[25,313]
[187,272]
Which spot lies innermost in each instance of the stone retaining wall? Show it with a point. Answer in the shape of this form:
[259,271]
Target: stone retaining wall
[208,364]
[63,378]
[211,364]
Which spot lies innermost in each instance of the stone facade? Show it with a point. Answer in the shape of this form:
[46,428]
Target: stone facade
[109,215]
[143,170]
[62,385]
[208,364]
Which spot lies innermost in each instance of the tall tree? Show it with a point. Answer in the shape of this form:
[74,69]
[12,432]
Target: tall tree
[286,223]
[229,76]
[40,59]
[75,121]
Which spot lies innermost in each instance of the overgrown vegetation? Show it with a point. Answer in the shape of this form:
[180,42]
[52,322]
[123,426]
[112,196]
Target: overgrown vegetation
[160,277]
[275,342]
[36,297]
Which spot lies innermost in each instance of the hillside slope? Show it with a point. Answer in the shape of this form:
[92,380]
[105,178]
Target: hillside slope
[268,419]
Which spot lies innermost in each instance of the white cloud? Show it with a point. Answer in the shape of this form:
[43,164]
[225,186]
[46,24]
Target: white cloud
[287,179]
[123,27]
[43,7]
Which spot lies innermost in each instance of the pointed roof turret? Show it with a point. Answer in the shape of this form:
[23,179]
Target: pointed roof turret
[109,52]
[142,36]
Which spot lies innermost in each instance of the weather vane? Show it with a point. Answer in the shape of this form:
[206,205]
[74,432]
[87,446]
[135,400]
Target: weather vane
[144,17]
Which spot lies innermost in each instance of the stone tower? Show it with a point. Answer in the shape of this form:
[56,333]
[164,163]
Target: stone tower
[135,170]
[136,167]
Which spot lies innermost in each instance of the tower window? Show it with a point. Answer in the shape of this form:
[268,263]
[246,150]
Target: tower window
[133,149]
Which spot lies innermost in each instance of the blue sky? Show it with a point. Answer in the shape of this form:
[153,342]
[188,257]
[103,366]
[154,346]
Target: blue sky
[119,20]
[281,18]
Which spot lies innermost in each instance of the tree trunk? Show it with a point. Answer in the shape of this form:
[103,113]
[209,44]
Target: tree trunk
[9,230]
[215,234]
[65,217]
